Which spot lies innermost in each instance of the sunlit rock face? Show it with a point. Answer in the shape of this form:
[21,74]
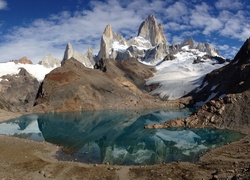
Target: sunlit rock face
[152,31]
[106,42]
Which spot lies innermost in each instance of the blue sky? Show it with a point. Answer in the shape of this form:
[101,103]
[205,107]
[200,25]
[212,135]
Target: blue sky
[36,28]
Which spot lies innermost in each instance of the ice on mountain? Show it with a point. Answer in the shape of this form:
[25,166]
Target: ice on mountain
[180,76]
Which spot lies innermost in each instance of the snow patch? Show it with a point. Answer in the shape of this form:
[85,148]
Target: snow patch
[180,76]
[36,70]
[119,47]
[214,87]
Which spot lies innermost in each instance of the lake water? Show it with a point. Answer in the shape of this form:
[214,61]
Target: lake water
[118,137]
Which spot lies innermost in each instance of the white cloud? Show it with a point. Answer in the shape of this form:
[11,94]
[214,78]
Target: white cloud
[235,25]
[177,39]
[173,26]
[201,18]
[3,4]
[84,28]
[229,4]
[177,11]
[223,47]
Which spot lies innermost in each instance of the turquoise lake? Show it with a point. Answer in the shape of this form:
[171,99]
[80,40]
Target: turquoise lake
[118,137]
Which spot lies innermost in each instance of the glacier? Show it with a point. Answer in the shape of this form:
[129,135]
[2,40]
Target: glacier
[180,76]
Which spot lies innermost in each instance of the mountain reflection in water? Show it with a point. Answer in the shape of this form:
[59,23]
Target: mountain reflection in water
[119,137]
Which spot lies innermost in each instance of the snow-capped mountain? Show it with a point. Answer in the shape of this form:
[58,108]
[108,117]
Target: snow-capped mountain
[180,68]
[150,45]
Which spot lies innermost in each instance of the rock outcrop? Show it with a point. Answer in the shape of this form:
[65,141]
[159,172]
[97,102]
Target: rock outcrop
[18,92]
[23,60]
[87,59]
[73,87]
[50,62]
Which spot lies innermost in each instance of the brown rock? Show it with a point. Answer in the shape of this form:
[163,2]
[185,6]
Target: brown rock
[73,87]
[23,60]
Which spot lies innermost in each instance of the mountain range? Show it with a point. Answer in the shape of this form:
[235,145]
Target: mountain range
[141,72]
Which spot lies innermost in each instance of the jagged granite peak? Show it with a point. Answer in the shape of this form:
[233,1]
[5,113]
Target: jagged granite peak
[108,31]
[68,53]
[49,61]
[106,42]
[188,42]
[152,31]
[84,59]
[208,48]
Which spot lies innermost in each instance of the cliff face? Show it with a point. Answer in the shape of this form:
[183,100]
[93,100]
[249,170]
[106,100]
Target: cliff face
[73,87]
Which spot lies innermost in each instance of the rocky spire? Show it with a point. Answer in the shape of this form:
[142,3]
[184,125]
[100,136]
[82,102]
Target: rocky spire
[68,53]
[106,42]
[188,42]
[152,31]
[84,59]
